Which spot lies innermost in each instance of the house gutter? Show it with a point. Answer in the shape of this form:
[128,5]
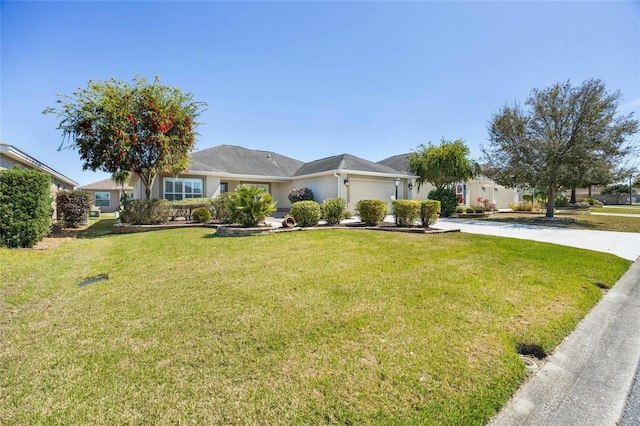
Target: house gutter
[339,186]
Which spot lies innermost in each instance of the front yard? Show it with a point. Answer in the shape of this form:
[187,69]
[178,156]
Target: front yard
[576,221]
[327,326]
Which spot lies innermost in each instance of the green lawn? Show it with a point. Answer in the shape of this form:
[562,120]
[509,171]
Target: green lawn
[327,326]
[581,221]
[618,209]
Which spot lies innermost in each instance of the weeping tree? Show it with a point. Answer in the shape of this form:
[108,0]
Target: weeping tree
[442,165]
[141,128]
[564,134]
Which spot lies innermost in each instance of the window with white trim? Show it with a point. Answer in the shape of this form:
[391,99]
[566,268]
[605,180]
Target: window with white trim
[179,189]
[102,199]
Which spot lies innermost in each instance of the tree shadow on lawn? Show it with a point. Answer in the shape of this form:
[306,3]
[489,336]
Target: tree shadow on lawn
[559,222]
[100,228]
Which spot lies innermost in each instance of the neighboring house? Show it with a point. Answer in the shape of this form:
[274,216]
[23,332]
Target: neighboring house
[469,192]
[106,194]
[10,156]
[222,168]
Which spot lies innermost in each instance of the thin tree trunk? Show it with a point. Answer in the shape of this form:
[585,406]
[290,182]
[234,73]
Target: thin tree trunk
[573,195]
[551,200]
[589,191]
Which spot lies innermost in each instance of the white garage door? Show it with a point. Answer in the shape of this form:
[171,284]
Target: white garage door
[372,190]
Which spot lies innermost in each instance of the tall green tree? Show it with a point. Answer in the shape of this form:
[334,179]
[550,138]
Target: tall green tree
[120,128]
[563,133]
[442,165]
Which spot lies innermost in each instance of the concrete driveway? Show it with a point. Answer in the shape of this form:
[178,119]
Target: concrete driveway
[622,244]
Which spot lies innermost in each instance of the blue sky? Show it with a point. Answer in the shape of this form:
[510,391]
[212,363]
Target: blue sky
[313,79]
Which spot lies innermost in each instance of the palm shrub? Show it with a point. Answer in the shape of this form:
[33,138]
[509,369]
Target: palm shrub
[372,212]
[448,200]
[406,212]
[306,213]
[73,207]
[25,206]
[250,204]
[429,212]
[333,210]
[300,194]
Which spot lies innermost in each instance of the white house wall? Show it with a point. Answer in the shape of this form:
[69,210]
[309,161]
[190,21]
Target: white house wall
[323,187]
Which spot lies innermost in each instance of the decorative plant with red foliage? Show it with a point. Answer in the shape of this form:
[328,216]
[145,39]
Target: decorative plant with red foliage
[121,128]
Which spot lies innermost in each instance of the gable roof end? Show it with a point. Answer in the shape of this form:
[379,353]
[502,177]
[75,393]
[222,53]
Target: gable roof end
[344,162]
[397,162]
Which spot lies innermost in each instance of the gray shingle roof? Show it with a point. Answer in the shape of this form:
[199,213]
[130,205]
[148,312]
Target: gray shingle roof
[343,162]
[397,162]
[105,184]
[241,161]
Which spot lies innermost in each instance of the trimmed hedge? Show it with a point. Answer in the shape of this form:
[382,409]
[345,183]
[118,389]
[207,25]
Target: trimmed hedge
[73,207]
[147,212]
[220,208]
[184,208]
[429,212]
[333,210]
[306,213]
[406,212]
[372,212]
[25,206]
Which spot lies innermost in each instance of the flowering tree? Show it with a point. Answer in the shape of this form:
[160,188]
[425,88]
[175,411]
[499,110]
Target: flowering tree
[120,128]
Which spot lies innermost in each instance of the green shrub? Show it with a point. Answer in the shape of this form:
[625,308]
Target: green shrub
[147,212]
[372,212]
[459,209]
[300,194]
[448,200]
[201,215]
[469,209]
[348,214]
[562,201]
[333,210]
[479,209]
[523,206]
[618,189]
[306,213]
[429,212]
[220,208]
[590,200]
[250,204]
[406,212]
[73,207]
[25,206]
[184,208]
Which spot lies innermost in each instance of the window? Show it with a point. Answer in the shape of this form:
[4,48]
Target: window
[102,199]
[224,187]
[179,189]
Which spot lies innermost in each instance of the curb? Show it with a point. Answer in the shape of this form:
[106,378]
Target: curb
[587,380]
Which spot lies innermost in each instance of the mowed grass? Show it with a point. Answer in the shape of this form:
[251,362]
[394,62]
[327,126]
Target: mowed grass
[580,221]
[619,209]
[317,327]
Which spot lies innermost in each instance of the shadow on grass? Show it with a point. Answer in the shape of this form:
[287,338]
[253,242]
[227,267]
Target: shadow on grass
[572,224]
[100,228]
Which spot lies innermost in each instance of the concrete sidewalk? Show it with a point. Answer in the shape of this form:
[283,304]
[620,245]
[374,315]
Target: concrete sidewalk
[586,381]
[623,244]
